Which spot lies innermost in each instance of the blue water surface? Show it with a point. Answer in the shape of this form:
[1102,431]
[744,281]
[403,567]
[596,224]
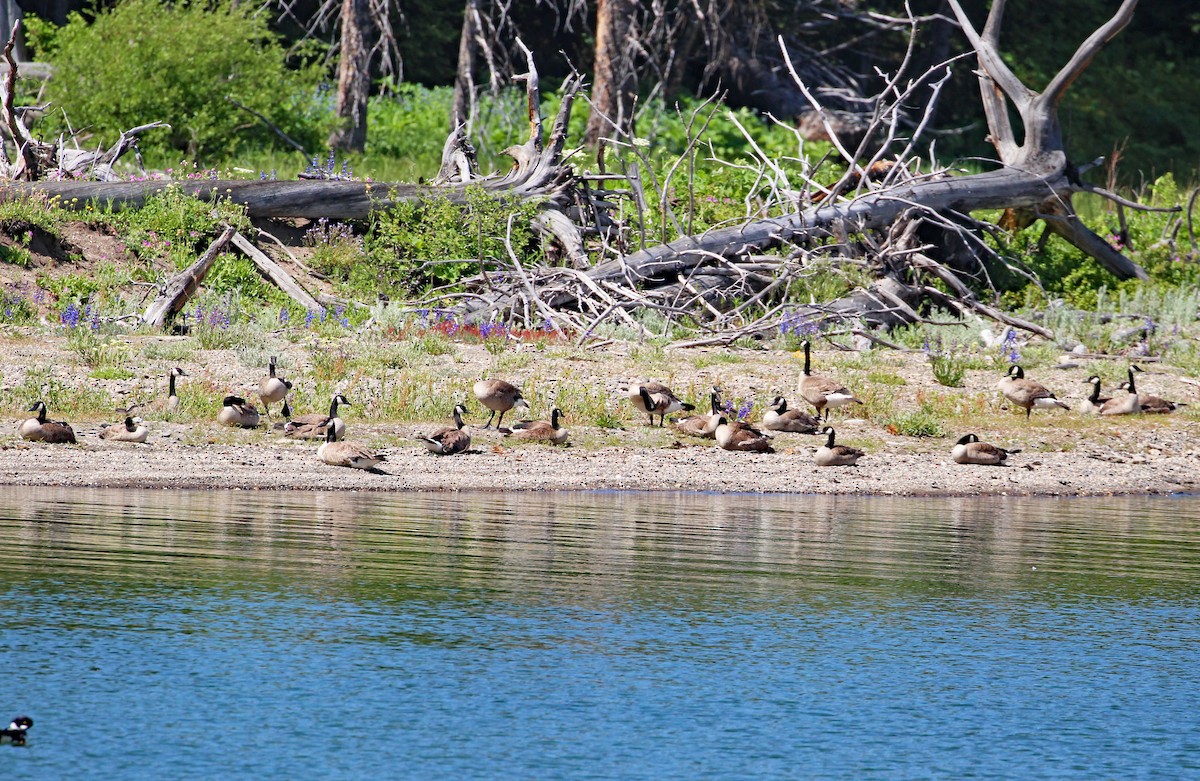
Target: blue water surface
[616,637]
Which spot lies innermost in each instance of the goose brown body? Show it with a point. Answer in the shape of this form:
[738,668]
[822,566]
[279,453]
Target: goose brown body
[741,437]
[541,430]
[40,429]
[822,393]
[832,454]
[654,398]
[700,425]
[348,454]
[235,411]
[1026,393]
[780,418]
[131,430]
[1126,403]
[451,439]
[498,396]
[272,389]
[314,425]
[969,450]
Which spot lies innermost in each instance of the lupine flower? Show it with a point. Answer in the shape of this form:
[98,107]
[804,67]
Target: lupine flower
[284,315]
[70,315]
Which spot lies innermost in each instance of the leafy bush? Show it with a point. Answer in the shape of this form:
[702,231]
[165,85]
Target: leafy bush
[175,225]
[416,244]
[183,64]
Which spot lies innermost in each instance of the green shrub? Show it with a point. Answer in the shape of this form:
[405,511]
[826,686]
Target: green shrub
[183,64]
[438,241]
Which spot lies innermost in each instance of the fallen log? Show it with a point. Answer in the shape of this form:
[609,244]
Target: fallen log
[275,273]
[182,286]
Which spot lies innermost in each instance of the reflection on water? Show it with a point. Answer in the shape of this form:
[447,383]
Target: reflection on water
[599,635]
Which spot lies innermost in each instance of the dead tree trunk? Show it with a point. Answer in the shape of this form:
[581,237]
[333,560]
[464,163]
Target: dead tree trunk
[354,78]
[614,86]
[464,79]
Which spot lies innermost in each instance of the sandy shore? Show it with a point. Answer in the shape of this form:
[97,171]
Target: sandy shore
[1063,452]
[492,466]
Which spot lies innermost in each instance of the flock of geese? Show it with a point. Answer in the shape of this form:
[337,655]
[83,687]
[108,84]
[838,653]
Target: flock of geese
[650,398]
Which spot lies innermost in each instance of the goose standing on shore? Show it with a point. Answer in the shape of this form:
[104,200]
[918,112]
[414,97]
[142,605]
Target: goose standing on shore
[272,389]
[451,439]
[39,429]
[314,424]
[741,437]
[654,398]
[780,418]
[348,454]
[498,396]
[822,392]
[236,412]
[969,450]
[540,430]
[1027,393]
[831,454]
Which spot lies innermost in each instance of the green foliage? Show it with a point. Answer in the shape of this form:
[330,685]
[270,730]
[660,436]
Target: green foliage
[948,370]
[413,245]
[16,306]
[176,225]
[920,422]
[184,64]
[63,400]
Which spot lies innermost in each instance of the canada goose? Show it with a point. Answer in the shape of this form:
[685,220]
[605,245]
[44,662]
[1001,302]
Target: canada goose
[969,450]
[348,454]
[654,398]
[16,729]
[1152,404]
[1123,403]
[1157,405]
[498,396]
[172,397]
[451,439]
[1027,393]
[131,430]
[314,424]
[743,438]
[540,430]
[822,392]
[830,454]
[272,388]
[1092,404]
[704,426]
[236,412]
[780,418]
[38,429]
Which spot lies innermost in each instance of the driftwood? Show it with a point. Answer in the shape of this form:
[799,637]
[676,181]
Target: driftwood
[275,273]
[182,286]
[703,276]
[38,159]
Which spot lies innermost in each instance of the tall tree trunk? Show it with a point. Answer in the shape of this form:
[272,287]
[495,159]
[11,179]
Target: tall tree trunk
[613,86]
[464,80]
[354,78]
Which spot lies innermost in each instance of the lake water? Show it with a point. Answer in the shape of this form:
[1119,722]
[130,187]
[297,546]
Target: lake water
[203,635]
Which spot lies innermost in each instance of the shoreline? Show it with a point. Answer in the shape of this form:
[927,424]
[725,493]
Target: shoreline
[690,468]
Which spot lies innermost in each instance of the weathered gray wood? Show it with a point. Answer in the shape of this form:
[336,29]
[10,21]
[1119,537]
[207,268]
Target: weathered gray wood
[183,285]
[275,273]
